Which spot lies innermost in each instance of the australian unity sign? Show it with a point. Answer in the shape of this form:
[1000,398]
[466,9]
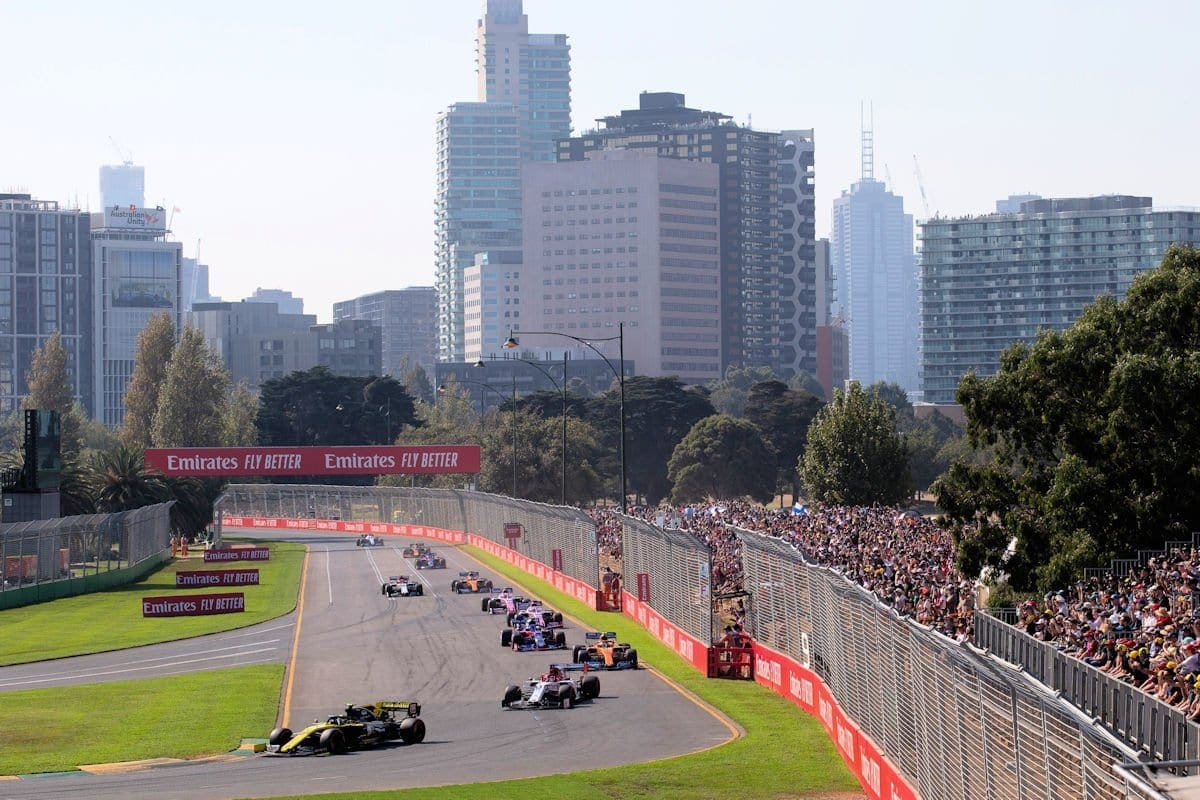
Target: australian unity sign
[434,459]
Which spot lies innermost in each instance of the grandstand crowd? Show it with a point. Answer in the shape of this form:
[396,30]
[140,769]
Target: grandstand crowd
[1143,628]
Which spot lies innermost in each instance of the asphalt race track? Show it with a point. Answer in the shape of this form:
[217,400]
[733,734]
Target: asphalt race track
[357,646]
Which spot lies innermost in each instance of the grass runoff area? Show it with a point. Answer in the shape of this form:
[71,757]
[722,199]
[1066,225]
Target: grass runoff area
[112,619]
[56,730]
[784,754]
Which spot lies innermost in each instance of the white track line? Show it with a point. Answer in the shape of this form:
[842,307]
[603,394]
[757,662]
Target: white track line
[99,673]
[329,573]
[158,659]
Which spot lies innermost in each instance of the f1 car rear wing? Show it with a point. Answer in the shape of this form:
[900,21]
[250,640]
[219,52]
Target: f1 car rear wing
[410,707]
[470,574]
[595,635]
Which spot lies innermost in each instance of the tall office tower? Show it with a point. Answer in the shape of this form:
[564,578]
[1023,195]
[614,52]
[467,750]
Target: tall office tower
[531,72]
[45,286]
[193,284]
[287,302]
[137,276]
[408,321]
[833,357]
[993,280]
[122,185]
[478,205]
[871,250]
[349,347]
[256,341]
[631,237]
[767,272]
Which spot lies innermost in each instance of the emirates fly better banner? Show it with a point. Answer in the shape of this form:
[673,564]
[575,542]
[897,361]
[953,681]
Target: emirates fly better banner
[433,459]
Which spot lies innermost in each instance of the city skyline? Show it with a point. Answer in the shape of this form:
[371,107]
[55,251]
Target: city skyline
[286,165]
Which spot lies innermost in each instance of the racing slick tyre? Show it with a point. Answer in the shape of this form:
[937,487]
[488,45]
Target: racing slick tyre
[412,730]
[280,736]
[420,590]
[332,741]
[454,586]
[383,589]
[566,695]
[632,656]
[486,605]
[486,586]
[560,639]
[508,620]
[557,616]
[506,637]
[590,686]
[511,695]
[578,652]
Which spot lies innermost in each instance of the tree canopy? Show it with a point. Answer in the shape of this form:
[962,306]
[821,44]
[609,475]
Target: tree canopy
[784,416]
[50,389]
[154,346]
[722,457]
[854,454]
[191,403]
[1096,437]
[317,407]
[659,413]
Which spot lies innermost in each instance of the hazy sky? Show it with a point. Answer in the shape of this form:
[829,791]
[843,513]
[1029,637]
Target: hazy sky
[297,138]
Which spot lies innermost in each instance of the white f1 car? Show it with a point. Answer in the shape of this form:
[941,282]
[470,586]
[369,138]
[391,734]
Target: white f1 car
[553,689]
[402,586]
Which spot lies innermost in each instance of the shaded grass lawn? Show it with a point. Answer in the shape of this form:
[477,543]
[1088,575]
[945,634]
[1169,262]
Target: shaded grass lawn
[206,713]
[785,753]
[112,620]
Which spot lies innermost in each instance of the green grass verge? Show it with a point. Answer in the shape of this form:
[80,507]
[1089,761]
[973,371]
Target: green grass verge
[112,619]
[55,730]
[784,754]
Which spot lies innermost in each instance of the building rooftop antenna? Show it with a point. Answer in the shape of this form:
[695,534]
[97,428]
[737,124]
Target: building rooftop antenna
[867,126]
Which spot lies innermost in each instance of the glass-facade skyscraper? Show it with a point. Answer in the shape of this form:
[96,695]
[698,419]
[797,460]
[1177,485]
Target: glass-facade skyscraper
[523,107]
[874,267]
[990,281]
[478,207]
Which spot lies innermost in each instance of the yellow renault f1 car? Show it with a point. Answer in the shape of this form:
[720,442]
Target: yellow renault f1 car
[355,728]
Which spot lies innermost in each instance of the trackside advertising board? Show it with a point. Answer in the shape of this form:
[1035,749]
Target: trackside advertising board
[343,526]
[802,686]
[434,459]
[193,605]
[238,554]
[216,577]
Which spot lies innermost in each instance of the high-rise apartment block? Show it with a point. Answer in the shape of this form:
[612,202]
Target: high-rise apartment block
[45,286]
[530,72]
[407,319]
[523,108]
[137,275]
[766,220]
[478,207]
[871,251]
[993,280]
[626,236]
[492,301]
[123,186]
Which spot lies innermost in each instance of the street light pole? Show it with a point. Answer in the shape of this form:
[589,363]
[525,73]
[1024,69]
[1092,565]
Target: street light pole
[562,389]
[442,390]
[512,343]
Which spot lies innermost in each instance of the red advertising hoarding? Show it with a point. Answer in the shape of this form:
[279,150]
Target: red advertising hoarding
[216,577]
[434,459]
[193,605]
[238,554]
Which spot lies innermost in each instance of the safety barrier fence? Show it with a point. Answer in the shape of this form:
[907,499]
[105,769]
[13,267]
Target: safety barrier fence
[42,559]
[1139,719]
[912,713]
[563,539]
[910,710]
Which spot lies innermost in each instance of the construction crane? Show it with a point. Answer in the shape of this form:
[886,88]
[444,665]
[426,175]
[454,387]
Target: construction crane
[921,185]
[125,156]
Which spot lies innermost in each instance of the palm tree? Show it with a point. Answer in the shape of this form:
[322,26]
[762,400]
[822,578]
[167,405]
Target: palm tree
[121,482]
